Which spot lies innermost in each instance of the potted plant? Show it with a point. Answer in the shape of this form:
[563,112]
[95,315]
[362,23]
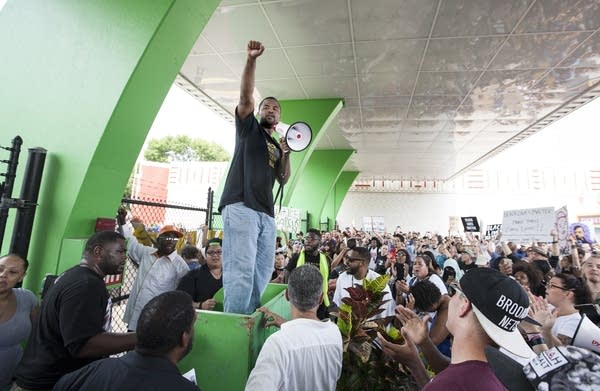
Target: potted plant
[364,367]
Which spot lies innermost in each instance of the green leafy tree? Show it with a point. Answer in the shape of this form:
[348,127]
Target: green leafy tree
[184,149]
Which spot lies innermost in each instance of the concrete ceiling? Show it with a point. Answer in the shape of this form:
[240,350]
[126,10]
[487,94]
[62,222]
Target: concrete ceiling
[431,87]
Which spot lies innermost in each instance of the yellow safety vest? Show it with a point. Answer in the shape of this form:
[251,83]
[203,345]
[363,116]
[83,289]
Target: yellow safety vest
[324,268]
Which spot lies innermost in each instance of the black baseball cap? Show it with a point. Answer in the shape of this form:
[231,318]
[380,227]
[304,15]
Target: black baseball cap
[500,304]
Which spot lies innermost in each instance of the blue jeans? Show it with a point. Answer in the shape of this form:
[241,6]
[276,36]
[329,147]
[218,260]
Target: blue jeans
[248,256]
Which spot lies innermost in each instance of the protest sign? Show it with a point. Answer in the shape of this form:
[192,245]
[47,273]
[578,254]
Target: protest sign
[562,229]
[524,226]
[470,224]
[492,230]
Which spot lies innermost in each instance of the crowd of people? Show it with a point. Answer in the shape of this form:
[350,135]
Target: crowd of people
[452,297]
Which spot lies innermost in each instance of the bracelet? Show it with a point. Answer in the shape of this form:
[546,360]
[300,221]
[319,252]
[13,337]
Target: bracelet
[536,341]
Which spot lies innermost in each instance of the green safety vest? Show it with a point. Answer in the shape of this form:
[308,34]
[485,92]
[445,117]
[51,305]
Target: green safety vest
[324,268]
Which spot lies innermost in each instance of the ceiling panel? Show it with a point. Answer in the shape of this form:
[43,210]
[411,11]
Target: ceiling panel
[586,55]
[330,87]
[445,83]
[274,64]
[376,20]
[208,69]
[449,79]
[322,60]
[537,51]
[309,22]
[478,17]
[389,56]
[460,54]
[387,84]
[223,30]
[558,15]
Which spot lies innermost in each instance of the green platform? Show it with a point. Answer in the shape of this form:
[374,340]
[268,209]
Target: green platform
[226,345]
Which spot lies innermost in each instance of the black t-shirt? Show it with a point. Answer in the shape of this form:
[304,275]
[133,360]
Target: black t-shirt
[133,371]
[309,258]
[253,167]
[380,264]
[73,311]
[200,284]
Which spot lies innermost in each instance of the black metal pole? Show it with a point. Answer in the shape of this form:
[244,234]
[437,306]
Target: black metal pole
[30,191]
[209,208]
[7,186]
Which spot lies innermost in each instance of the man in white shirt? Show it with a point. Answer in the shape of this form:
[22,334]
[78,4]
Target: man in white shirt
[306,354]
[357,261]
[160,270]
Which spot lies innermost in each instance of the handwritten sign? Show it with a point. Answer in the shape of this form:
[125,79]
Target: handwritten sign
[288,219]
[562,228]
[454,225]
[373,224]
[524,226]
[470,224]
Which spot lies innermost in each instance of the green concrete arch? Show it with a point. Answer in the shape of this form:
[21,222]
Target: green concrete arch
[336,196]
[317,181]
[318,114]
[85,80]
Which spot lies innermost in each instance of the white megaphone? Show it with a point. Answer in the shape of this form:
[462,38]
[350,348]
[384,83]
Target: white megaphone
[297,135]
[587,335]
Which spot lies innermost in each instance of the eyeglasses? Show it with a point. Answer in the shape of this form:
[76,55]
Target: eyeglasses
[169,238]
[214,252]
[551,285]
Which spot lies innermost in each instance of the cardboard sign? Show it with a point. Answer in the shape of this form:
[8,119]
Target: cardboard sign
[470,224]
[492,230]
[454,225]
[373,224]
[288,219]
[562,229]
[524,226]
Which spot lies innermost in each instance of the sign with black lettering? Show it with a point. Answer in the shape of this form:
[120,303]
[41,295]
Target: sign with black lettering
[470,224]
[525,226]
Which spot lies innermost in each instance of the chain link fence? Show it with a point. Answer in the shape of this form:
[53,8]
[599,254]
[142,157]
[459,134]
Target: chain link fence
[155,214]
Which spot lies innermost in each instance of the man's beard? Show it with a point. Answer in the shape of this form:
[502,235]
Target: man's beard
[266,124]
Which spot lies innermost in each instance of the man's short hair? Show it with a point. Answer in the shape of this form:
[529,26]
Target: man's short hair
[305,286]
[426,295]
[271,98]
[213,242]
[314,232]
[162,322]
[101,239]
[190,252]
[362,252]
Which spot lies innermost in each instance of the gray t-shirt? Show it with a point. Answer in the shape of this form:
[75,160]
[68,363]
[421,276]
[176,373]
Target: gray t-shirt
[13,332]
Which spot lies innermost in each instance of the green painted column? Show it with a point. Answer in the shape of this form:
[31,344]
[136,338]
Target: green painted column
[85,79]
[337,195]
[317,181]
